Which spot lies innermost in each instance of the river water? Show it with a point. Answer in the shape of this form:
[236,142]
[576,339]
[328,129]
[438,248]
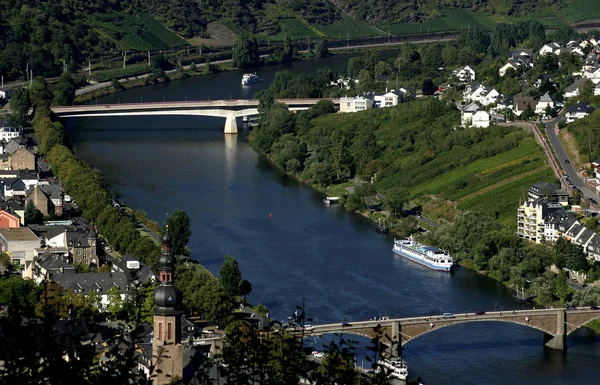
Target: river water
[293,248]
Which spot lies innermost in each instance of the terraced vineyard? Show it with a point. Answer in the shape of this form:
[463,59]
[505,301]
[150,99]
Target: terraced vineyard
[494,185]
[141,32]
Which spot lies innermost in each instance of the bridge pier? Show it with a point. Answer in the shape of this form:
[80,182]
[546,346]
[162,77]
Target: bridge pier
[559,340]
[231,124]
[395,349]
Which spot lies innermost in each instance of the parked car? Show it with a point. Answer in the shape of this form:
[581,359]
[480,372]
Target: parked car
[346,324]
[447,315]
[594,307]
[570,307]
[567,161]
[481,312]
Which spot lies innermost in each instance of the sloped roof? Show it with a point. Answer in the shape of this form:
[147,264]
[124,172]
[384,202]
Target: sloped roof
[473,108]
[580,107]
[87,282]
[576,84]
[546,98]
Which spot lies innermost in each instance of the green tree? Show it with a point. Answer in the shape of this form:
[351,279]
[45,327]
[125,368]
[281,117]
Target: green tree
[116,84]
[287,55]
[245,288]
[287,360]
[50,301]
[341,160]
[449,55]
[115,302]
[245,53]
[321,49]
[64,91]
[395,199]
[431,55]
[19,105]
[39,93]
[216,305]
[32,214]
[562,287]
[428,87]
[230,276]
[365,81]
[179,229]
[587,91]
[20,295]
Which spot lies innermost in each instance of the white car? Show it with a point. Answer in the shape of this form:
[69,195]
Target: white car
[317,354]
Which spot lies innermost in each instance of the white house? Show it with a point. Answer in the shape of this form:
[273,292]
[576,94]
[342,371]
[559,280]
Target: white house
[481,94]
[597,89]
[504,68]
[13,187]
[578,111]
[550,48]
[573,90]
[390,99]
[7,133]
[355,104]
[475,116]
[577,51]
[544,102]
[592,73]
[465,74]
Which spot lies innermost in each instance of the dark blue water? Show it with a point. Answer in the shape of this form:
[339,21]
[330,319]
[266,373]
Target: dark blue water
[293,248]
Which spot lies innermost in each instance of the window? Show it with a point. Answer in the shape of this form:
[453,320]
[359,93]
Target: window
[158,337]
[169,331]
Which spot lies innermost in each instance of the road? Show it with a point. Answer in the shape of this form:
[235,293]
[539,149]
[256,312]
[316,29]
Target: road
[564,161]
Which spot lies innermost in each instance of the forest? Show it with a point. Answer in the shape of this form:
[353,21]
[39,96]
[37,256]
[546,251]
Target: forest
[46,36]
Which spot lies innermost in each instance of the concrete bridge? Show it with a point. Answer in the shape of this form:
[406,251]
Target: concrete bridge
[228,109]
[556,324]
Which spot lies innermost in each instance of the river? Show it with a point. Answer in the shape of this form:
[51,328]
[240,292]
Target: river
[292,247]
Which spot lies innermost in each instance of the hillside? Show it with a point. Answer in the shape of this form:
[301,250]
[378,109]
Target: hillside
[413,146]
[44,33]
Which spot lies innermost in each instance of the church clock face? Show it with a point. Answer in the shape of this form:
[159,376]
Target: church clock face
[170,299]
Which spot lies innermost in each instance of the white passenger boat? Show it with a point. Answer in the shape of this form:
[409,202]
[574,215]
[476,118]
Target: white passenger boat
[428,256]
[248,79]
[395,367]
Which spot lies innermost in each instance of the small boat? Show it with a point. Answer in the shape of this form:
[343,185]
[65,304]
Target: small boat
[428,256]
[245,119]
[382,229]
[331,200]
[248,79]
[396,367]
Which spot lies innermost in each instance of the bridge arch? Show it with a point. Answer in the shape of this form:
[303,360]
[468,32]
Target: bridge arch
[406,338]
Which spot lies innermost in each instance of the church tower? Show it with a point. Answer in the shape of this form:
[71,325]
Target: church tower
[167,351]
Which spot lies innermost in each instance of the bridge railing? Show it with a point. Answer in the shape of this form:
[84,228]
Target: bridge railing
[217,102]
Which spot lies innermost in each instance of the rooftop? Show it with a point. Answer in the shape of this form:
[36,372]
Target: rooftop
[18,234]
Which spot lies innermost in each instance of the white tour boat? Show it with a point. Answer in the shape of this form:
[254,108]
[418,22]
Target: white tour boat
[428,256]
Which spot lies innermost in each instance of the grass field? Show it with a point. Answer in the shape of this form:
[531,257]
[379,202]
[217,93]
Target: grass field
[139,32]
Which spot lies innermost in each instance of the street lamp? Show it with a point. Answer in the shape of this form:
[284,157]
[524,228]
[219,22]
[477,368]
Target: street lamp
[495,305]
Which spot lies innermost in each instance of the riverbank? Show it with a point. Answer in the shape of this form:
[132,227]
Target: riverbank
[94,91]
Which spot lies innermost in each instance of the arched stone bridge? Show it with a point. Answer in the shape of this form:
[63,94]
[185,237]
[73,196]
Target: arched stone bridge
[228,109]
[555,323]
